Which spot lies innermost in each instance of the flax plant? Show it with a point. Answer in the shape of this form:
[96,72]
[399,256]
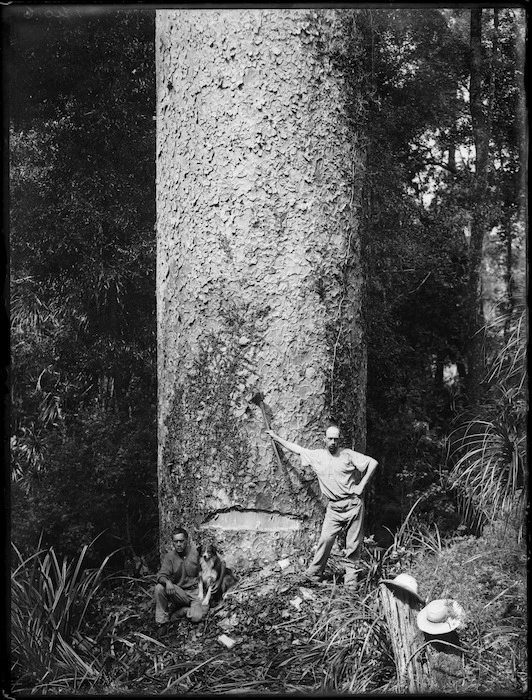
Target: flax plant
[348,649]
[50,602]
[488,448]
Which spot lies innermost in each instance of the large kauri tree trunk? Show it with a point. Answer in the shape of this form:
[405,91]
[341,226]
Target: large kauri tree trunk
[258,274]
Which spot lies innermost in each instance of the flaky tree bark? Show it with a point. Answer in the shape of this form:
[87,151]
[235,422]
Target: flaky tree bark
[258,275]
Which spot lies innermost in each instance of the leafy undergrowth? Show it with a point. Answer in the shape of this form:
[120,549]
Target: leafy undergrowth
[291,636]
[488,577]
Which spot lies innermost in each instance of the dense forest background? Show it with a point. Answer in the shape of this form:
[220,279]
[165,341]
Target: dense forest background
[82,247]
[443,216]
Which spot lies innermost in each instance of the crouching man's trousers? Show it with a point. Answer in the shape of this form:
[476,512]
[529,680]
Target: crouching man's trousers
[180,598]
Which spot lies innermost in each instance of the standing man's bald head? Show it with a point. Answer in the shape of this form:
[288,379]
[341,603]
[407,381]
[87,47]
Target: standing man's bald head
[332,431]
[332,437]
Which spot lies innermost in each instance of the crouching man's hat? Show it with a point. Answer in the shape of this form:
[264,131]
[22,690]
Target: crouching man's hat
[440,616]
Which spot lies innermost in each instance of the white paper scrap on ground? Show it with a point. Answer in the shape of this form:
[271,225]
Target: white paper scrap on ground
[306,593]
[226,641]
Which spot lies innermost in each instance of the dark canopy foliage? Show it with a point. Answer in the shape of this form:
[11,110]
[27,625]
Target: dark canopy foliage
[418,205]
[82,108]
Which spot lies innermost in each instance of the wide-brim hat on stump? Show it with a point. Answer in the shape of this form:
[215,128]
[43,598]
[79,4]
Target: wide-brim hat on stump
[440,616]
[406,583]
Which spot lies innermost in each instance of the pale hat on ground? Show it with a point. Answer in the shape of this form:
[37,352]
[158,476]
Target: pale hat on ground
[406,582]
[440,616]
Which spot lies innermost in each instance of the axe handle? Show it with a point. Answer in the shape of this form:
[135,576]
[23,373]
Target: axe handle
[266,423]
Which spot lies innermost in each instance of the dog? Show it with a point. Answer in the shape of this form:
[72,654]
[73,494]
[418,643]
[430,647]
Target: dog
[213,571]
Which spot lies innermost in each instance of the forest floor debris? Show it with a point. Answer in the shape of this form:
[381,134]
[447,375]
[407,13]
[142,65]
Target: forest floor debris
[278,632]
[242,644]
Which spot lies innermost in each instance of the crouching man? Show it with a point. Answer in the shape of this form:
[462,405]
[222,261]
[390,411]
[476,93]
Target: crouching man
[177,581]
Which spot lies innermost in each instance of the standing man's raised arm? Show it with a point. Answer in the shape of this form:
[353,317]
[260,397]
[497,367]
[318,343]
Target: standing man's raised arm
[296,449]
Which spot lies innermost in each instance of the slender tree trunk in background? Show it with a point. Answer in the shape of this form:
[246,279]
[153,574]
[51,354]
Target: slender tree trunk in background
[258,274]
[521,123]
[506,226]
[481,135]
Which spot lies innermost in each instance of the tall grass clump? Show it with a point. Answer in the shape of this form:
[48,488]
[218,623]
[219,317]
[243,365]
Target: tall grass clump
[348,650]
[487,449]
[50,605]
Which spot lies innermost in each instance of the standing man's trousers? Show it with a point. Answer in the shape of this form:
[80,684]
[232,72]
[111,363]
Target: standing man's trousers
[349,514]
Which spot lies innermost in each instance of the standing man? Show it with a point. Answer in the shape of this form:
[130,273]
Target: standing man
[177,580]
[342,476]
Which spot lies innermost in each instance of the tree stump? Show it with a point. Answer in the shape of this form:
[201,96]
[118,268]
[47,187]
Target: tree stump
[447,662]
[400,609]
